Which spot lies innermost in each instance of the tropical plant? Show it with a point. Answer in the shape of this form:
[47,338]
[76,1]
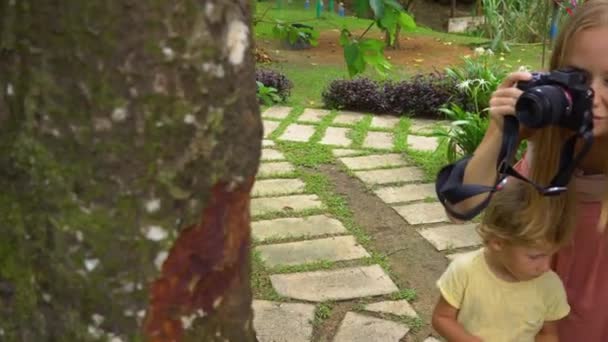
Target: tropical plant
[478,78]
[359,52]
[465,132]
[267,95]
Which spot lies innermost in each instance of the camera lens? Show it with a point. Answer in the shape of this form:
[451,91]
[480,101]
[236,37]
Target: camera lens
[542,106]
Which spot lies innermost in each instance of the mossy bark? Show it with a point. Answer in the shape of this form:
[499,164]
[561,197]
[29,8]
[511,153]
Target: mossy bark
[117,119]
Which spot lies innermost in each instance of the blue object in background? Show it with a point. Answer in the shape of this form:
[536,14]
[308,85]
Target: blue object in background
[307,4]
[341,9]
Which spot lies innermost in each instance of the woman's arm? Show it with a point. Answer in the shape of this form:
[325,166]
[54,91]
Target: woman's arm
[444,321]
[481,168]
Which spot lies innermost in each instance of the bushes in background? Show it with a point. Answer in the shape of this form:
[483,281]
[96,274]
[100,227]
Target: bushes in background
[421,96]
[360,94]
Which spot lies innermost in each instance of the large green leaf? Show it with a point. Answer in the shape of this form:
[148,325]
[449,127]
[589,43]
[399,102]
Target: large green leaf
[406,21]
[345,37]
[372,45]
[394,4]
[354,59]
[378,8]
[373,54]
[389,22]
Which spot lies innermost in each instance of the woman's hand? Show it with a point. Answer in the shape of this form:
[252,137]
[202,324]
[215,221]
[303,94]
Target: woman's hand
[506,95]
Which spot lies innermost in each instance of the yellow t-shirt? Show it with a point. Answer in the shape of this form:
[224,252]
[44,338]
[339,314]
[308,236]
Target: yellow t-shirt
[500,311]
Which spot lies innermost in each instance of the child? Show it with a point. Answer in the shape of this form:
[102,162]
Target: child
[505,291]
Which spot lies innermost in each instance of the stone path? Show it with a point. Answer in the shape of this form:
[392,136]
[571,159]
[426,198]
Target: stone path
[292,228]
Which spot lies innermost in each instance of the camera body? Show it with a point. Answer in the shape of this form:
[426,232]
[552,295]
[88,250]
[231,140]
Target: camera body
[561,97]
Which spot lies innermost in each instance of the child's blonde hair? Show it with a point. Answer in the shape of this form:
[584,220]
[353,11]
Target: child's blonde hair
[507,218]
[546,153]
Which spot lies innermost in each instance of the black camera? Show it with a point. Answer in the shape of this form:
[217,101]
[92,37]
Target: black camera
[561,97]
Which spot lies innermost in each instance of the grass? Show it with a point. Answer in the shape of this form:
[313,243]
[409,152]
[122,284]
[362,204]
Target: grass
[260,280]
[322,127]
[359,131]
[405,294]
[292,117]
[400,134]
[429,161]
[322,312]
[309,267]
[414,323]
[306,154]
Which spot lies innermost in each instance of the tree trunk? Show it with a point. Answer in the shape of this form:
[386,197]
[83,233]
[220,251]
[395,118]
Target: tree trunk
[130,136]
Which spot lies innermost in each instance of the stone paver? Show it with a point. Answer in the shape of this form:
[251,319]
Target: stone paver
[344,283]
[313,115]
[267,143]
[420,213]
[406,193]
[295,227]
[336,248]
[271,154]
[387,176]
[275,169]
[348,118]
[277,112]
[270,126]
[274,187]
[425,126]
[344,152]
[360,328]
[382,140]
[384,121]
[452,236]
[266,205]
[395,307]
[421,143]
[373,161]
[296,132]
[282,322]
[336,136]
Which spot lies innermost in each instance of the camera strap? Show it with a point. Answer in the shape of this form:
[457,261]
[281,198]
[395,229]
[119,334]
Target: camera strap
[450,188]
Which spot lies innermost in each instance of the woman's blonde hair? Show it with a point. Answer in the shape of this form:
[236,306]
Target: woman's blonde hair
[506,218]
[549,141]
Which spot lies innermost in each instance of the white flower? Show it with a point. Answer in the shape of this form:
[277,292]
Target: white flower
[119,114]
[95,332]
[90,264]
[464,84]
[523,68]
[481,81]
[189,119]
[160,259]
[97,319]
[169,54]
[153,205]
[479,51]
[156,233]
[489,52]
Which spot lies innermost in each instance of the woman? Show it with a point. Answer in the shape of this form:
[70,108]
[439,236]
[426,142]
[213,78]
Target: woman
[583,264]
